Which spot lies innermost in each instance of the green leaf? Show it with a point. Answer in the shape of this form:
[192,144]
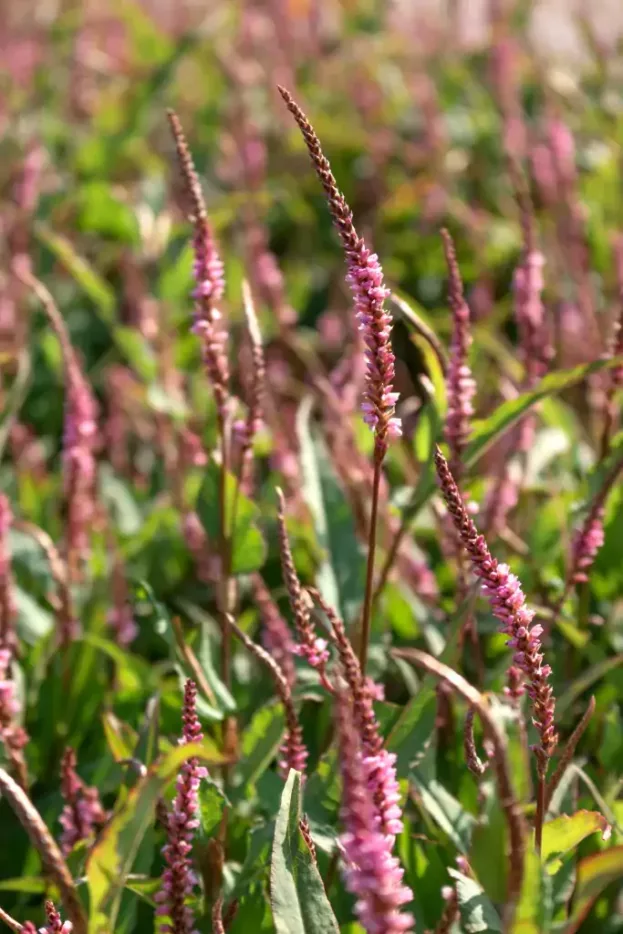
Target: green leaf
[487,431]
[341,574]
[412,733]
[259,745]
[100,212]
[534,911]
[137,351]
[248,548]
[113,855]
[565,832]
[592,674]
[297,895]
[80,270]
[28,885]
[205,652]
[594,873]
[478,916]
[212,803]
[33,621]
[146,749]
[121,738]
[446,811]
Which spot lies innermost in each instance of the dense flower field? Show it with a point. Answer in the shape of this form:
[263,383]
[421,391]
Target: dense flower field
[311,369]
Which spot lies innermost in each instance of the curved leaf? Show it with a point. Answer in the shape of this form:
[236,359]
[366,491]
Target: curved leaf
[297,896]
[478,916]
[112,857]
[594,873]
[341,574]
[565,832]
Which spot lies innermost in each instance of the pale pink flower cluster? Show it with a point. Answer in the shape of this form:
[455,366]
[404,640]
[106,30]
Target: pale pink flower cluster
[371,872]
[178,879]
[315,650]
[11,734]
[365,278]
[55,925]
[528,287]
[587,543]
[83,810]
[121,621]
[293,751]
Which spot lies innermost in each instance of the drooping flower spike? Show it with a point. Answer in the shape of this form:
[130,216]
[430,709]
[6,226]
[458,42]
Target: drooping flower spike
[310,646]
[508,603]
[293,751]
[365,278]
[79,440]
[378,764]
[460,385]
[208,274]
[276,636]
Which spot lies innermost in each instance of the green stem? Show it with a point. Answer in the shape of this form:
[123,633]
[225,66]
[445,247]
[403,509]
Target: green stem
[540,808]
[367,602]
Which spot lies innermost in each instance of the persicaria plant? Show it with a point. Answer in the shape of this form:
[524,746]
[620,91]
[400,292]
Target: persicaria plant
[310,585]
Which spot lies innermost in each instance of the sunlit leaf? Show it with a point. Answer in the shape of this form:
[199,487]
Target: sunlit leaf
[297,895]
[112,857]
[594,873]
[565,832]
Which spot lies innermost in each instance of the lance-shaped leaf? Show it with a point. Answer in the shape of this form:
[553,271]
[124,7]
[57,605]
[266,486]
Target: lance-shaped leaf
[298,899]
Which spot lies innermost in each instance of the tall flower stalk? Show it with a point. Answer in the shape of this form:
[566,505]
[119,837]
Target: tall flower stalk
[508,603]
[371,872]
[379,765]
[365,279]
[209,288]
[293,751]
[178,879]
[79,441]
[615,376]
[312,648]
[460,385]
[460,390]
[249,427]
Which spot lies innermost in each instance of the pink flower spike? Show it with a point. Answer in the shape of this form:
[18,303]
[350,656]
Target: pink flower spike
[508,603]
[83,810]
[178,879]
[55,925]
[365,278]
[208,274]
[371,873]
[460,386]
